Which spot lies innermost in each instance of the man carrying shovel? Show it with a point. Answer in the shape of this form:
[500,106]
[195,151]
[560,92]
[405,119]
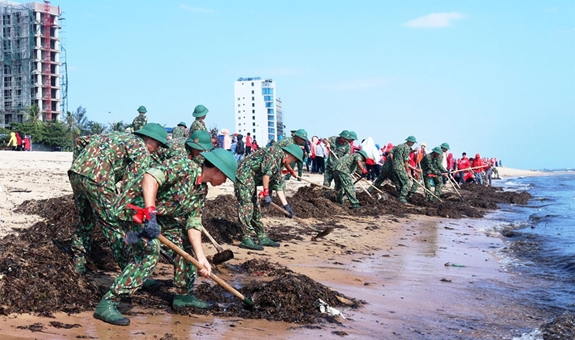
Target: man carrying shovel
[299,138]
[337,146]
[343,171]
[433,171]
[262,167]
[175,189]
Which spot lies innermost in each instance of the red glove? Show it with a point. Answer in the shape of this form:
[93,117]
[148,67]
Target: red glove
[142,214]
[293,173]
[264,193]
[364,171]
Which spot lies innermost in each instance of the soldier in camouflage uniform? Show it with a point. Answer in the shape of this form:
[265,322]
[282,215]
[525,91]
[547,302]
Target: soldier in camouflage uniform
[433,171]
[180,131]
[299,137]
[175,189]
[262,167]
[343,171]
[396,168]
[338,146]
[200,141]
[141,119]
[200,113]
[98,167]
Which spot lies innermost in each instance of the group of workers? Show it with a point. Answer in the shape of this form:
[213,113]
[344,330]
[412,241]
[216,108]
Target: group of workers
[139,185]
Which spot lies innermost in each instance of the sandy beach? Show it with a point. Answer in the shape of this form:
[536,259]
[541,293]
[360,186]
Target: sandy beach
[421,277]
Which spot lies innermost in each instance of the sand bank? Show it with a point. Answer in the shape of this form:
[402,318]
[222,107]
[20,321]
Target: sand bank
[422,277]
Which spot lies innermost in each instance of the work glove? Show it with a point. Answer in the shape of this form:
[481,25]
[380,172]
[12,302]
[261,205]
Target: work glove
[288,209]
[152,229]
[364,171]
[265,196]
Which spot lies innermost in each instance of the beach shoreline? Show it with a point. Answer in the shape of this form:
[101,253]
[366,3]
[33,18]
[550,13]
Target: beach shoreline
[422,277]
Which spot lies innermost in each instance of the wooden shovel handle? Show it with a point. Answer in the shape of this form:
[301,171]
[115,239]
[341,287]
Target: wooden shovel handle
[280,209]
[313,183]
[195,262]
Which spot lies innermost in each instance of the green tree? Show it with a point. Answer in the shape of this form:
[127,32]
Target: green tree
[33,115]
[119,126]
[81,120]
[57,134]
[95,128]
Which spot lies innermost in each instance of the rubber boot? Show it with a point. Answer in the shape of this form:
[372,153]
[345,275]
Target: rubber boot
[80,265]
[402,200]
[355,206]
[248,243]
[266,241]
[189,300]
[108,312]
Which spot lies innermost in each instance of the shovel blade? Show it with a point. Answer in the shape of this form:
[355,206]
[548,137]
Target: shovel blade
[224,256]
[323,233]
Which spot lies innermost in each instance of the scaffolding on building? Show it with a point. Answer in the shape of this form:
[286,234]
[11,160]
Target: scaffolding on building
[30,66]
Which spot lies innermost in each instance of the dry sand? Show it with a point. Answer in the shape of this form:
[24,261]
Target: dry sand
[402,267]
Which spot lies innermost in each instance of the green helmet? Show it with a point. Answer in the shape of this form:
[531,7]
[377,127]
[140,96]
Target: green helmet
[182,124]
[437,150]
[363,153]
[346,135]
[294,150]
[445,146]
[301,133]
[200,140]
[154,131]
[224,161]
[200,111]
[353,135]
[142,109]
[411,139]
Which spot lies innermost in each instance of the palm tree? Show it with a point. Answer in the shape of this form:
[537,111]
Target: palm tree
[81,118]
[95,128]
[33,114]
[118,126]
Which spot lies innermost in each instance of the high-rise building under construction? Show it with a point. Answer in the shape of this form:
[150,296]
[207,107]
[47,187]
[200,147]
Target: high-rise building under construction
[32,71]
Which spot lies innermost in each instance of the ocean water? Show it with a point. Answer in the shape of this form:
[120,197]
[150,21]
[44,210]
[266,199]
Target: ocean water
[540,239]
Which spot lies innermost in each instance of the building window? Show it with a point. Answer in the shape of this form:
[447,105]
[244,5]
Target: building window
[269,104]
[253,98]
[254,111]
[268,98]
[270,111]
[252,91]
[271,130]
[253,117]
[252,84]
[254,130]
[238,98]
[271,124]
[271,118]
[253,124]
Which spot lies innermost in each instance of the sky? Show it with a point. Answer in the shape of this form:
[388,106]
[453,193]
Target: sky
[490,77]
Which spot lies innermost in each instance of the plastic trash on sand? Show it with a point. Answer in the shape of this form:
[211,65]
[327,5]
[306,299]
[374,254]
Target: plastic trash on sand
[324,308]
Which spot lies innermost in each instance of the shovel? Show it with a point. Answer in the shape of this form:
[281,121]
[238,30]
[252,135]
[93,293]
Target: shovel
[320,233]
[222,255]
[198,265]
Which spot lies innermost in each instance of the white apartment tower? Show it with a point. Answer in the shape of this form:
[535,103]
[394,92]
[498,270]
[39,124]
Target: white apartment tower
[30,71]
[256,109]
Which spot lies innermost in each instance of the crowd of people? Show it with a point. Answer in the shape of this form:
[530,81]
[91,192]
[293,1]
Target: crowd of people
[19,142]
[139,185]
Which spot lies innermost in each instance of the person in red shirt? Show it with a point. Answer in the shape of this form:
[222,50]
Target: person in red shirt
[463,164]
[480,166]
[248,148]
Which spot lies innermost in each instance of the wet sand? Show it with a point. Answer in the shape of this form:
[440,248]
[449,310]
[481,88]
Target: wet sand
[422,277]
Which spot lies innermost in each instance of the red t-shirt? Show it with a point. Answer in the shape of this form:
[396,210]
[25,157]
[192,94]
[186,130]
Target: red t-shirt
[249,141]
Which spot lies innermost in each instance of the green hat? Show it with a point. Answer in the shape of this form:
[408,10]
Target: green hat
[363,153]
[182,124]
[353,135]
[295,150]
[155,131]
[200,140]
[445,146]
[301,133]
[437,150]
[142,109]
[345,134]
[411,139]
[223,160]
[200,111]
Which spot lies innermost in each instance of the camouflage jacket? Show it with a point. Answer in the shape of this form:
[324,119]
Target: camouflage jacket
[180,193]
[198,124]
[438,161]
[109,159]
[176,148]
[400,155]
[139,122]
[348,163]
[337,149]
[266,161]
[179,131]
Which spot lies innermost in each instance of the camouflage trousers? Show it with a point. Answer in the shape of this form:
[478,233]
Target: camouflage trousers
[328,176]
[94,203]
[344,181]
[185,272]
[403,183]
[437,183]
[249,214]
[385,173]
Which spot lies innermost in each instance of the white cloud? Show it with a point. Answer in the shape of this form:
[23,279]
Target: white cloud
[196,9]
[434,20]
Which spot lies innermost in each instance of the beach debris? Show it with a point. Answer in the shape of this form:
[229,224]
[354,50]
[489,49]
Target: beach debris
[449,264]
[326,309]
[445,280]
